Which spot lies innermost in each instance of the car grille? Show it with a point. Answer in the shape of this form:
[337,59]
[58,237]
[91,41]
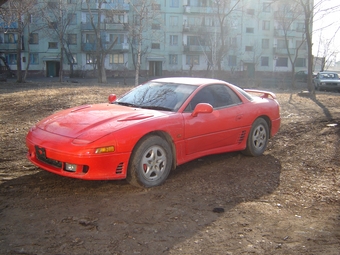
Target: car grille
[41,155]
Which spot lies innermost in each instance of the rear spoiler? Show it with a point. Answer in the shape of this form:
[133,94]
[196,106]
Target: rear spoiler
[265,94]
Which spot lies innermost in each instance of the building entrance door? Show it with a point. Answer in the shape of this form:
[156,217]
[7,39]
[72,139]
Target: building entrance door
[155,68]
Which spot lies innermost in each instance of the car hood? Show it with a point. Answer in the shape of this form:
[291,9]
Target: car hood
[329,80]
[91,122]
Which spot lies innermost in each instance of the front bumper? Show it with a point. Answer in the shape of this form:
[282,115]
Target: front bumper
[53,153]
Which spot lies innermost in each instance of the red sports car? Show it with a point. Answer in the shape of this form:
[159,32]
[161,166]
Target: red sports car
[153,128]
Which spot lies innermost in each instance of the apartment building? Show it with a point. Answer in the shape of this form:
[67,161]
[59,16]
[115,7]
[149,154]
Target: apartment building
[173,37]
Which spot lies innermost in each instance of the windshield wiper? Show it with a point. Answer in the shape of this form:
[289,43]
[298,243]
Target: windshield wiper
[127,104]
[161,108]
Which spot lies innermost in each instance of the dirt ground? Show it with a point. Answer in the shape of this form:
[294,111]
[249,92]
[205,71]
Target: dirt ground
[284,202]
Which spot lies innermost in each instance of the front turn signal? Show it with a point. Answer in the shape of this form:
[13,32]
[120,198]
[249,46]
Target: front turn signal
[105,149]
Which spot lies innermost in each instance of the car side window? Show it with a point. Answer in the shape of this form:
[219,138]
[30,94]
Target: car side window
[225,96]
[217,95]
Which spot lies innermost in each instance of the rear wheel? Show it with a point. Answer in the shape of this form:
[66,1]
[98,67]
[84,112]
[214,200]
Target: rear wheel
[150,162]
[257,138]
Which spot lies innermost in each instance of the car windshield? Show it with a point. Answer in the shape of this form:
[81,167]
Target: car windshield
[158,96]
[329,76]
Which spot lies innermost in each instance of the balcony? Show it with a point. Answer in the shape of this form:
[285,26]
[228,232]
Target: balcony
[196,9]
[8,46]
[283,51]
[107,6]
[104,26]
[281,15]
[6,27]
[91,47]
[195,48]
[282,33]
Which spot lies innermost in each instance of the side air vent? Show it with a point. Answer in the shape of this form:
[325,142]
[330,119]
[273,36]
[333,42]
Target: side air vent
[242,136]
[119,169]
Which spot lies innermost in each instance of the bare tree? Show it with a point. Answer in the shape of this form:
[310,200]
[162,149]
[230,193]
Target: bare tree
[16,11]
[145,12]
[325,20]
[287,15]
[224,10]
[102,49]
[58,17]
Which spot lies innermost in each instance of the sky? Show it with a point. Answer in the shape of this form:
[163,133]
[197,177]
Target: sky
[326,28]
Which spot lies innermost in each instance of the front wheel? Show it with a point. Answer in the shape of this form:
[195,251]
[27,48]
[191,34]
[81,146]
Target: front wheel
[150,162]
[257,138]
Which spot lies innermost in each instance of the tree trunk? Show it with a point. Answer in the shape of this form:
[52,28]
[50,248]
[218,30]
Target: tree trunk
[19,45]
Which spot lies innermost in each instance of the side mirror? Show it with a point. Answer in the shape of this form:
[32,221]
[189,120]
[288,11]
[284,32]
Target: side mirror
[112,98]
[202,108]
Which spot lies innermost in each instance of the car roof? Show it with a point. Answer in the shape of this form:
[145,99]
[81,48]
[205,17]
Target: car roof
[328,72]
[189,80]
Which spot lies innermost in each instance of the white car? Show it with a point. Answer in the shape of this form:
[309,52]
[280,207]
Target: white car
[327,80]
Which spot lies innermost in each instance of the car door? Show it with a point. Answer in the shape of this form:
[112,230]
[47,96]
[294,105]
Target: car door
[221,128]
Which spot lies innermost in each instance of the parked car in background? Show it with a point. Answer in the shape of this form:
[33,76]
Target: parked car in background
[327,81]
[302,76]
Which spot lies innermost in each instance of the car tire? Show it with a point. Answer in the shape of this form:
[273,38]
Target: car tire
[150,162]
[257,138]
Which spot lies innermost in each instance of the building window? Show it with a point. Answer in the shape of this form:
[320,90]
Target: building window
[53,45]
[90,59]
[266,7]
[11,38]
[156,26]
[72,39]
[282,62]
[11,59]
[302,45]
[34,58]
[173,21]
[193,40]
[249,48]
[300,62]
[52,25]
[119,37]
[90,38]
[74,59]
[265,25]
[173,40]
[174,3]
[233,41]
[250,30]
[250,11]
[232,60]
[136,20]
[192,60]
[281,44]
[34,18]
[265,44]
[156,46]
[173,59]
[117,58]
[72,17]
[156,7]
[34,38]
[264,61]
[52,4]
[300,27]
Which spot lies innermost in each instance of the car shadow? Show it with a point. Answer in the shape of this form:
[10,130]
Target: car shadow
[69,216]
